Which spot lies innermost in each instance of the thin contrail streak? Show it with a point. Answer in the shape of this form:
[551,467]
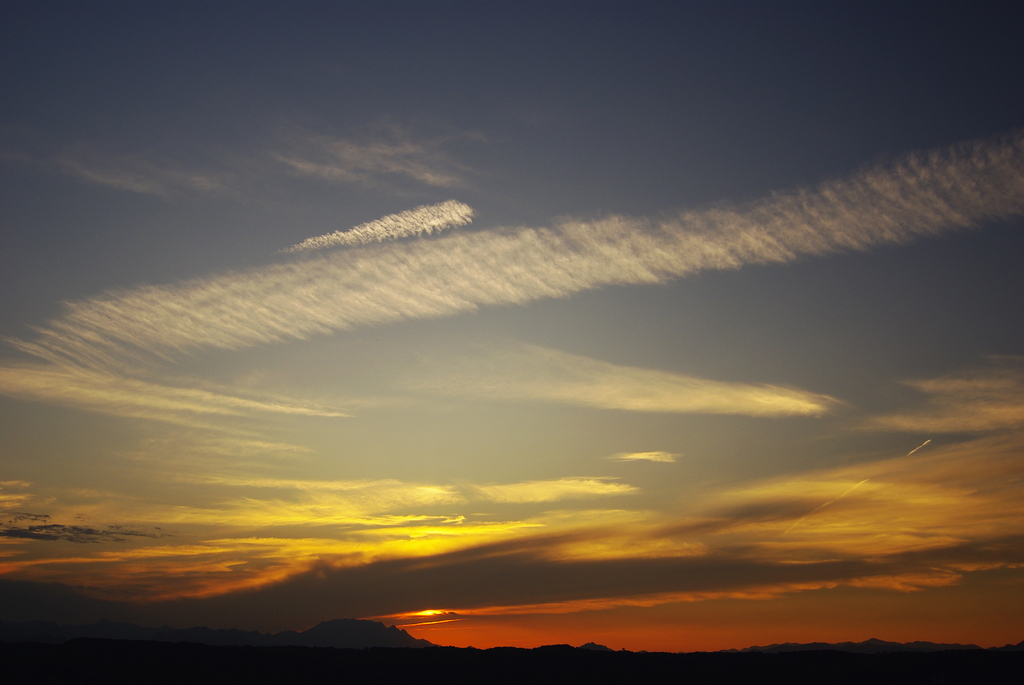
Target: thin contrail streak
[812,513]
[919,446]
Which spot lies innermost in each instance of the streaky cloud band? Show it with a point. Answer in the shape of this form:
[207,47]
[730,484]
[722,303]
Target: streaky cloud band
[923,194]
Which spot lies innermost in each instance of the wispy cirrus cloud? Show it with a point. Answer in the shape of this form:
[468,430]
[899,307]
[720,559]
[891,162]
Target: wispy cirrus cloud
[554,490]
[923,194]
[985,399]
[392,153]
[13,494]
[529,372]
[664,457]
[425,219]
[118,395]
[145,174]
[350,497]
[382,156]
[320,501]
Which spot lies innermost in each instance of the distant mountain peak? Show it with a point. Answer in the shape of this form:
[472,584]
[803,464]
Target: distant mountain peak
[596,647]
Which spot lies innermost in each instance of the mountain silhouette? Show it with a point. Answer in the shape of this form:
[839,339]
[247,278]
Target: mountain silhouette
[871,646]
[596,647]
[85,659]
[1019,647]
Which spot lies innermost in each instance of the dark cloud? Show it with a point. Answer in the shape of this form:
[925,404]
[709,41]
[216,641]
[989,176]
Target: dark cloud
[17,516]
[59,531]
[775,511]
[505,574]
[512,573]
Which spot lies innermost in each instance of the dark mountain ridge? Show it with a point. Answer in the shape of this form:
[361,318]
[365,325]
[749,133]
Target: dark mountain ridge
[346,633]
[871,646]
[349,633]
[114,662]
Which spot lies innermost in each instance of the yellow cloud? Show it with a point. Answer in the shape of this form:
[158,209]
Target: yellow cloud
[553,490]
[666,457]
[984,400]
[915,521]
[518,372]
[122,396]
[931,499]
[12,493]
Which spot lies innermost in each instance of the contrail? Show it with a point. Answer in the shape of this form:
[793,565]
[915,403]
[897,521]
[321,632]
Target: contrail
[812,513]
[422,219]
[848,491]
[919,446]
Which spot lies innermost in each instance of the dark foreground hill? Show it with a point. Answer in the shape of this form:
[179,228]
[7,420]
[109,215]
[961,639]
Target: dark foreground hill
[87,660]
[347,633]
[872,646]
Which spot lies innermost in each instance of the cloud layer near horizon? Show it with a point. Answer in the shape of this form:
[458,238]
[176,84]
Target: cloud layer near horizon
[921,195]
[917,521]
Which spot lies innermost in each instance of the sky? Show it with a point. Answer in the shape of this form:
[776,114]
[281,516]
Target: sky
[668,326]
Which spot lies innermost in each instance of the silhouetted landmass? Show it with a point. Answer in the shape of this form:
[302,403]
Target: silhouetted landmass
[596,647]
[1019,647]
[345,633]
[123,661]
[872,646]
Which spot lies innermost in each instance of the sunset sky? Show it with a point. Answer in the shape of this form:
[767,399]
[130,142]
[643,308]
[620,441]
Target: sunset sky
[668,326]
